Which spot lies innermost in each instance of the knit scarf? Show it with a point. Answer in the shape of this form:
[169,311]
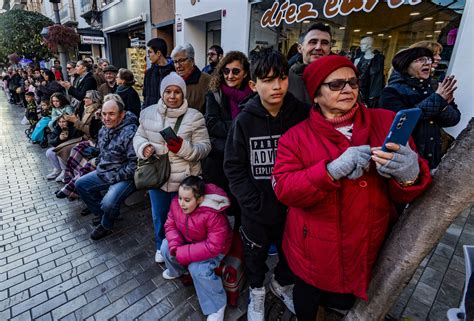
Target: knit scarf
[235,97]
[344,123]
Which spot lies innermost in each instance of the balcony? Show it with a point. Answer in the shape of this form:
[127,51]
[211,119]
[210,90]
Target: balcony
[66,14]
[91,13]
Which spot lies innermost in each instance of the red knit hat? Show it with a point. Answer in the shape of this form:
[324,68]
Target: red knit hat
[316,72]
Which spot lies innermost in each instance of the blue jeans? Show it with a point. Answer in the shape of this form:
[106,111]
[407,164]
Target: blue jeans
[208,285]
[91,187]
[160,205]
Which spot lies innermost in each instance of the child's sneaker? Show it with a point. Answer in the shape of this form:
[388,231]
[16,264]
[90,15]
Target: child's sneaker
[158,257]
[284,293]
[217,316]
[166,275]
[60,177]
[256,308]
[53,174]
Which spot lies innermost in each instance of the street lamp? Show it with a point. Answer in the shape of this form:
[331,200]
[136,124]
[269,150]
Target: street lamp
[62,53]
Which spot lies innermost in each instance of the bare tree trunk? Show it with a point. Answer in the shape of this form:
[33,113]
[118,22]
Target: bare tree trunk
[420,228]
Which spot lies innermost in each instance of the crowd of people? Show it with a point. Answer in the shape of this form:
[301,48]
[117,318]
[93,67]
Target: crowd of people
[290,151]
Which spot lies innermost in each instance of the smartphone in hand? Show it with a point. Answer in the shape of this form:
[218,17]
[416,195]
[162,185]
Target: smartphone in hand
[168,134]
[402,126]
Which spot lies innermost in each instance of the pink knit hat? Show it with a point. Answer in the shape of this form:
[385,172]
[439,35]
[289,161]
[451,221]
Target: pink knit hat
[315,74]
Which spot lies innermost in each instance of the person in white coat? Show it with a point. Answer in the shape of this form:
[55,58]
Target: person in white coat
[185,153]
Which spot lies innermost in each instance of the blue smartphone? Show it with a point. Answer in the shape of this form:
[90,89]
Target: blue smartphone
[403,124]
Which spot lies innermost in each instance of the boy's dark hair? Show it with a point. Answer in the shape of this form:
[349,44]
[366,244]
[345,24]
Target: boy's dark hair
[29,93]
[217,49]
[196,184]
[315,26]
[268,61]
[45,100]
[158,44]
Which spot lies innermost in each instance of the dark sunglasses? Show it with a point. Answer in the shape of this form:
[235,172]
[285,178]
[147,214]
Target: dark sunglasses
[68,68]
[235,71]
[339,84]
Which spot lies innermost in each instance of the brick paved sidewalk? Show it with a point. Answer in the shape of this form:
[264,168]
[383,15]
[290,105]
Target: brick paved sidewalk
[50,269]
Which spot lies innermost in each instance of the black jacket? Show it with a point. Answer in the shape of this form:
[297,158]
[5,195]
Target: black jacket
[45,92]
[130,98]
[404,92]
[53,137]
[82,86]
[250,153]
[296,84]
[151,84]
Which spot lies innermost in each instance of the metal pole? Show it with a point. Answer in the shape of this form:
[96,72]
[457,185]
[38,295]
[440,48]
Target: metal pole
[62,53]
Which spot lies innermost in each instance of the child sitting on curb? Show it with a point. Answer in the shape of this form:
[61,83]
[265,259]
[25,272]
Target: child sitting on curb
[198,235]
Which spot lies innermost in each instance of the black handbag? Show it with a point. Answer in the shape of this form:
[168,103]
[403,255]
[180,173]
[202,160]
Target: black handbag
[154,171]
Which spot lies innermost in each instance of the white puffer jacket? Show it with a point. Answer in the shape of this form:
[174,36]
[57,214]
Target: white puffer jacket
[196,144]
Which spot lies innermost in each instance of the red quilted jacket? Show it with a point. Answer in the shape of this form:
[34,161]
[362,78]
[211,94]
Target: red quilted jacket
[335,229]
[203,234]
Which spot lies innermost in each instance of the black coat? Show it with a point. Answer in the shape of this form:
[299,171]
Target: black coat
[404,92]
[82,86]
[151,84]
[130,98]
[53,137]
[250,153]
[45,92]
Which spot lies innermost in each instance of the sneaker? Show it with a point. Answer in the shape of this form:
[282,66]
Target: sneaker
[256,309]
[60,177]
[158,257]
[166,275]
[284,293]
[217,316]
[100,232]
[53,174]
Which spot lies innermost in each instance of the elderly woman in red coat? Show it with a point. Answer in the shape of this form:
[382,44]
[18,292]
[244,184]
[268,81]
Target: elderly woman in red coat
[340,189]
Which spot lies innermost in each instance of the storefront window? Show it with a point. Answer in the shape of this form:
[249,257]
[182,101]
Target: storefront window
[391,28]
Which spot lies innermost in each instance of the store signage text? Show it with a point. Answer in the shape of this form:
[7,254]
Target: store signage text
[290,12]
[93,40]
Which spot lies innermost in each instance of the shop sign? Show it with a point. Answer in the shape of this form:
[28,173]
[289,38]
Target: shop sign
[136,42]
[93,40]
[290,12]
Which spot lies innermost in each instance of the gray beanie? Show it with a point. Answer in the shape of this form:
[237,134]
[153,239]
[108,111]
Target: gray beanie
[173,79]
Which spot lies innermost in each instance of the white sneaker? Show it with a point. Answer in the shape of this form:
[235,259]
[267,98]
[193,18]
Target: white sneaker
[217,316]
[256,309]
[60,178]
[166,275]
[158,257]
[53,174]
[284,293]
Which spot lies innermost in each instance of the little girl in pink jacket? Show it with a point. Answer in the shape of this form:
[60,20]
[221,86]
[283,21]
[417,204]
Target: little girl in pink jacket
[198,235]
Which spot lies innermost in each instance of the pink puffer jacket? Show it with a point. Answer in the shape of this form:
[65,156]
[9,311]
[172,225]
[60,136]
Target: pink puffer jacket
[203,234]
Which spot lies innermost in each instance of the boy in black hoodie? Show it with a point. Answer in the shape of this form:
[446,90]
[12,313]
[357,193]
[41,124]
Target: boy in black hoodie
[248,164]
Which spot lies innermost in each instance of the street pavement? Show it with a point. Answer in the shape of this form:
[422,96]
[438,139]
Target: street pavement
[50,269]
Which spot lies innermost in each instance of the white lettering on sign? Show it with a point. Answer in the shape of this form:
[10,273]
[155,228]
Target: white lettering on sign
[290,13]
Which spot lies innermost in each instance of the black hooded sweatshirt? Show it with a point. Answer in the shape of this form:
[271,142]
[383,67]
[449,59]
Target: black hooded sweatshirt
[250,153]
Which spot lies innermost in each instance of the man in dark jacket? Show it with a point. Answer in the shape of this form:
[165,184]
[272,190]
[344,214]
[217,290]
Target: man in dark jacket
[160,68]
[248,164]
[312,45]
[110,84]
[116,166]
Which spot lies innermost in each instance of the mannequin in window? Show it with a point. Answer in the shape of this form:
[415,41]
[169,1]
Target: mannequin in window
[370,65]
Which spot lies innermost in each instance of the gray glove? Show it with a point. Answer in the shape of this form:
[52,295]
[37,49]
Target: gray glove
[403,167]
[351,163]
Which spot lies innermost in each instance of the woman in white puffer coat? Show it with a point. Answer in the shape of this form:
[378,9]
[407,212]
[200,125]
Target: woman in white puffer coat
[185,153]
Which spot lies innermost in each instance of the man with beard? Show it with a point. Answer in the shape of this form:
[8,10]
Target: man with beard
[312,45]
[214,54]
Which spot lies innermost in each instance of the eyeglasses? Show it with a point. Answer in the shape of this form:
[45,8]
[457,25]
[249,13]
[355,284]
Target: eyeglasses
[68,68]
[180,61]
[424,60]
[339,84]
[235,71]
